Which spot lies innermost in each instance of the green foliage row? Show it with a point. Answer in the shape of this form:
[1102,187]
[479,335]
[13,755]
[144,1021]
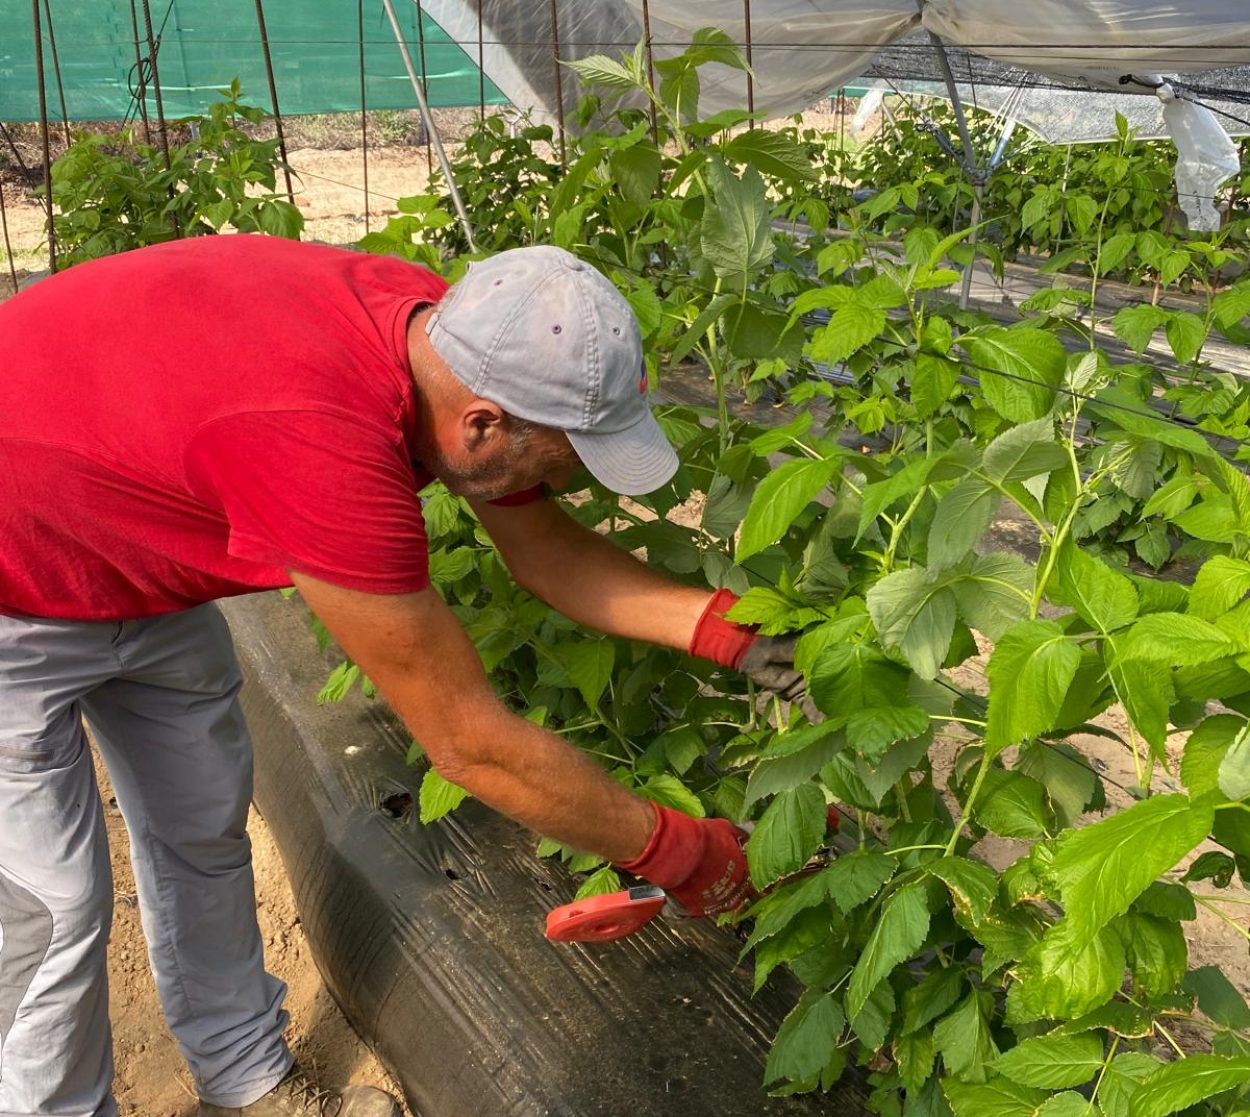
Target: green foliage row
[1056,977]
[114,192]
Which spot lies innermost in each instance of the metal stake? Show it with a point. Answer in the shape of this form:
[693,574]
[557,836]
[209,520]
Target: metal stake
[141,98]
[746,14]
[364,120]
[156,85]
[8,245]
[43,129]
[555,61]
[443,162]
[273,97]
[56,69]
[646,38]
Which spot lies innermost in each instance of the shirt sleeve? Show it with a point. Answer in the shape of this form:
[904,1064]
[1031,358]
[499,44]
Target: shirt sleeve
[318,493]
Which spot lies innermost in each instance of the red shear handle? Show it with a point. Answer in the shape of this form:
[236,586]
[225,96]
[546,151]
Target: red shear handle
[605,918]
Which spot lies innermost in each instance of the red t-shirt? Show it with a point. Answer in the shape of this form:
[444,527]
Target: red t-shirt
[188,421]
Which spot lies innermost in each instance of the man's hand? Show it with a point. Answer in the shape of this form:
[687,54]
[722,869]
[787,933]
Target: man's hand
[699,862]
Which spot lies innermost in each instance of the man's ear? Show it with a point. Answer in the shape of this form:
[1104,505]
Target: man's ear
[482,423]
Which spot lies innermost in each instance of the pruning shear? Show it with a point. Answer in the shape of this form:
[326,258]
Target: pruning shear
[616,915]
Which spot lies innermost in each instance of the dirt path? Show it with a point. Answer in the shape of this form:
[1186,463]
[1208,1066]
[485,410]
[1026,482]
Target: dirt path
[152,1079]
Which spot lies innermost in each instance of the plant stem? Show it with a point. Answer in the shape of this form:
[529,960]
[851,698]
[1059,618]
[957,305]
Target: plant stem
[1224,916]
[972,798]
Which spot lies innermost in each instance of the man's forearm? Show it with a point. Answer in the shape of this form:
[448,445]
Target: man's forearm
[543,782]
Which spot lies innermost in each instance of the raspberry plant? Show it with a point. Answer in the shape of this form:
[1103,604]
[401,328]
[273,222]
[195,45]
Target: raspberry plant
[1005,934]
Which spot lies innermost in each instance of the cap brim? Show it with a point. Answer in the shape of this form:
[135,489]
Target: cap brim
[633,461]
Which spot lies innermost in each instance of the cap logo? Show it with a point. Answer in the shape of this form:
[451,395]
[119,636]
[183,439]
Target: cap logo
[642,384]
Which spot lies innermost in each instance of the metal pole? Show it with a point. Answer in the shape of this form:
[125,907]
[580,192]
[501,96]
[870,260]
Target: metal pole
[43,128]
[555,61]
[156,84]
[481,69]
[364,120]
[965,286]
[56,69]
[746,13]
[273,97]
[456,200]
[8,245]
[961,121]
[425,84]
[141,98]
[646,38]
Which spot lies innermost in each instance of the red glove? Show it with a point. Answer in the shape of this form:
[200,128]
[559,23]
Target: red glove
[717,639]
[698,861]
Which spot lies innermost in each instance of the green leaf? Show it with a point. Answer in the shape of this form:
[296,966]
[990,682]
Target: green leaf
[878,496]
[897,934]
[1205,750]
[939,991]
[602,882]
[855,878]
[932,382]
[1118,406]
[1178,1085]
[1124,1075]
[871,731]
[846,677]
[872,1024]
[1219,585]
[1115,251]
[972,885]
[589,666]
[915,616]
[1011,805]
[787,834]
[1185,332]
[851,328]
[1000,1097]
[669,791]
[1175,639]
[1053,1062]
[1024,451]
[599,69]
[778,500]
[1018,369]
[1103,597]
[1135,325]
[1068,1104]
[735,237]
[1069,782]
[993,592]
[1103,868]
[1029,671]
[1147,695]
[1168,901]
[1061,978]
[773,153]
[1214,866]
[1218,998]
[805,1039]
[636,172]
[1234,773]
[964,1039]
[773,774]
[1156,953]
[438,796]
[961,518]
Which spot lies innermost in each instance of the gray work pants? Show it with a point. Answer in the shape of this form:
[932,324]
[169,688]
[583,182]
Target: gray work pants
[160,695]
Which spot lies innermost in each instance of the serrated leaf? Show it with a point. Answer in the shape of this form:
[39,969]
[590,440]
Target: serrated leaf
[855,878]
[1062,977]
[964,1039]
[1205,750]
[1018,369]
[993,592]
[1185,332]
[787,834]
[773,774]
[1135,325]
[1218,998]
[972,885]
[1234,771]
[772,153]
[1103,868]
[438,797]
[1104,597]
[1124,1075]
[602,882]
[847,677]
[1156,953]
[599,69]
[1069,781]
[915,616]
[588,664]
[1178,1085]
[1053,1062]
[871,731]
[1029,671]
[1000,1097]
[669,791]
[1011,805]
[897,934]
[778,500]
[735,237]
[1024,451]
[961,518]
[805,1039]
[851,328]
[932,383]
[1220,584]
[1175,639]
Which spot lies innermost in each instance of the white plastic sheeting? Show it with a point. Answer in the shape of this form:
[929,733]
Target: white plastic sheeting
[1205,159]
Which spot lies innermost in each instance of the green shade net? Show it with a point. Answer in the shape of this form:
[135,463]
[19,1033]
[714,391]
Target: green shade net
[315,47]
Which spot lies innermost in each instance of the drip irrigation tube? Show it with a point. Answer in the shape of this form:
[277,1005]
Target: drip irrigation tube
[430,937]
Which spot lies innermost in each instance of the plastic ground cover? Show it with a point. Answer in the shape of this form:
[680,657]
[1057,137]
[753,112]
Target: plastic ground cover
[431,938]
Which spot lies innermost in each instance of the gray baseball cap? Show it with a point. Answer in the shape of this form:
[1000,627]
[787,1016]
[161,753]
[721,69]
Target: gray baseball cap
[549,339]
